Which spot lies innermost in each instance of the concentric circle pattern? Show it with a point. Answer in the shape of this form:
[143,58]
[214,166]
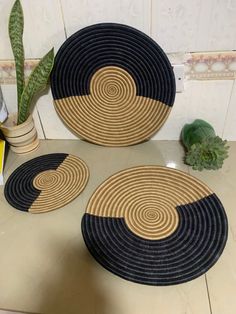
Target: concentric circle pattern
[46,183]
[112,85]
[155,225]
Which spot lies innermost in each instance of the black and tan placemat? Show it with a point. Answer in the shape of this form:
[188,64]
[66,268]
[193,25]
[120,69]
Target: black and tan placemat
[46,182]
[112,85]
[155,225]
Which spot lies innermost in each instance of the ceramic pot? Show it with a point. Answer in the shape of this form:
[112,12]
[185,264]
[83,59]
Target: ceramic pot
[23,138]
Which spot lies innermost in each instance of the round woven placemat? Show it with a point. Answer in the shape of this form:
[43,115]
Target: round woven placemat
[46,182]
[155,225]
[112,85]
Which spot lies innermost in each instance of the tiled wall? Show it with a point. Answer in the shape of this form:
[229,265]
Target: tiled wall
[179,26]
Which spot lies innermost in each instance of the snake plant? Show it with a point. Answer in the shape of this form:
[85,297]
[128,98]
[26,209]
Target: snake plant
[205,150]
[39,76]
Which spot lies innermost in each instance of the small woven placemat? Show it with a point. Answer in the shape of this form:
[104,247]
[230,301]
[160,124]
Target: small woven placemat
[155,225]
[112,84]
[46,182]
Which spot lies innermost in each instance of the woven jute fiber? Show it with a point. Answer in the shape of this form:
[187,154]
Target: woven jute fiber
[112,85]
[46,182]
[155,225]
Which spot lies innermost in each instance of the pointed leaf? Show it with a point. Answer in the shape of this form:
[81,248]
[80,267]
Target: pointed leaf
[16,27]
[37,81]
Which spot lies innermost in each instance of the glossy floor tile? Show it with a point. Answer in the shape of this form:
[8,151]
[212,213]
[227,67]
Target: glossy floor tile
[46,268]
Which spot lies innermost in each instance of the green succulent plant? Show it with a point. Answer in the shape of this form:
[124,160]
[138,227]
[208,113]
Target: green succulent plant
[39,76]
[204,150]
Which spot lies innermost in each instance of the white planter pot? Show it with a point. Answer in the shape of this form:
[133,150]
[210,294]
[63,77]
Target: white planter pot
[23,138]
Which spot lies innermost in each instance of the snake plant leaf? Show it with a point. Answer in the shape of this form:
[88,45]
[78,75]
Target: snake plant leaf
[37,81]
[16,28]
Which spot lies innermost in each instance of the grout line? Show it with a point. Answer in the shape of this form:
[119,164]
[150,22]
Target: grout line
[227,112]
[63,18]
[150,26]
[208,294]
[40,121]
[14,312]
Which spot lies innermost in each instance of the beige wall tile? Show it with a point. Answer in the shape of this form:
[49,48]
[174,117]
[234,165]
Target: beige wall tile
[177,25]
[182,25]
[52,125]
[230,122]
[5,51]
[43,27]
[207,100]
[38,123]
[78,14]
[9,93]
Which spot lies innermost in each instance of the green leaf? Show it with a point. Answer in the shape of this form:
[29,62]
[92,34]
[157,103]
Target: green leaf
[196,132]
[209,154]
[37,81]
[16,28]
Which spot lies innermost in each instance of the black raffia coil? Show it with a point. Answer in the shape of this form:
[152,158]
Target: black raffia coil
[112,85]
[46,182]
[155,225]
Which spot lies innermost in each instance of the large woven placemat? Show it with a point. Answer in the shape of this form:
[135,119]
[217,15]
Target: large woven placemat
[112,85]
[47,182]
[155,225]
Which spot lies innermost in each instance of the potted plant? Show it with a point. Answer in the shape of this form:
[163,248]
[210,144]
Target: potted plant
[204,149]
[19,129]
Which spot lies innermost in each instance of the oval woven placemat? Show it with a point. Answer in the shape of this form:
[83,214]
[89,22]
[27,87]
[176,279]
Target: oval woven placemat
[155,225]
[46,182]
[112,85]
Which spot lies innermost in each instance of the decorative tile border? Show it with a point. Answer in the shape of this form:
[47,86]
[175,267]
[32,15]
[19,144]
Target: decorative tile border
[7,70]
[211,66]
[198,66]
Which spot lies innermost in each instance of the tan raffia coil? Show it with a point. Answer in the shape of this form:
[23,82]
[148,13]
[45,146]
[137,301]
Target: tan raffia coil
[46,183]
[147,197]
[155,225]
[112,113]
[112,85]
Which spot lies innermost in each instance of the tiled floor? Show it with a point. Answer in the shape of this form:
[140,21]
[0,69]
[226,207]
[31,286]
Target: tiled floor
[46,268]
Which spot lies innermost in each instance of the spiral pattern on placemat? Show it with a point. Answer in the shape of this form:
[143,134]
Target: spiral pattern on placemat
[112,88]
[155,225]
[112,84]
[46,179]
[46,182]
